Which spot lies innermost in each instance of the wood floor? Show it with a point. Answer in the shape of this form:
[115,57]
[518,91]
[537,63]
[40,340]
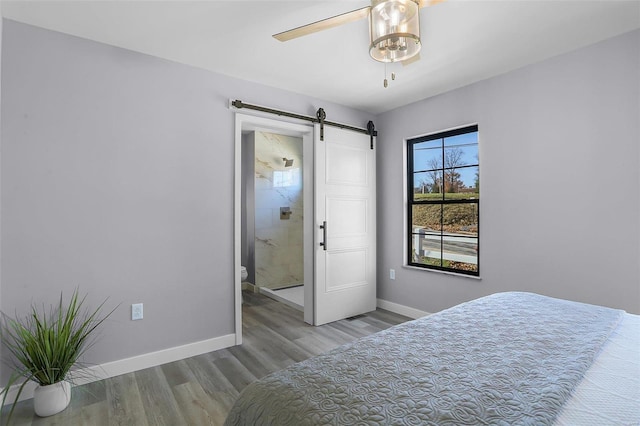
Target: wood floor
[201,390]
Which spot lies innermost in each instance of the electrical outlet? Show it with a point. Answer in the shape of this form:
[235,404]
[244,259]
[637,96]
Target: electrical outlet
[392,274]
[136,311]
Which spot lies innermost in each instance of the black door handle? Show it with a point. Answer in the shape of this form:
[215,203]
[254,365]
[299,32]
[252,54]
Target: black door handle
[324,235]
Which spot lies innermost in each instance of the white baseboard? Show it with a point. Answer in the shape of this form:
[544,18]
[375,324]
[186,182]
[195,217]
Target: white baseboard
[401,309]
[140,362]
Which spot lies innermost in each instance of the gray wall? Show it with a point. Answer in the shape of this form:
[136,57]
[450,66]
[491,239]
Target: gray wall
[1,23]
[117,177]
[248,214]
[559,177]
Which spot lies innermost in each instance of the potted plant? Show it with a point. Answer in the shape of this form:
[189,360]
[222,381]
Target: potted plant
[45,346]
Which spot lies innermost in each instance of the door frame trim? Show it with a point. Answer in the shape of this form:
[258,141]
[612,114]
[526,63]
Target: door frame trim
[246,122]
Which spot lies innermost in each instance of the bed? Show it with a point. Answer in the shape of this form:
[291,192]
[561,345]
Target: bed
[507,359]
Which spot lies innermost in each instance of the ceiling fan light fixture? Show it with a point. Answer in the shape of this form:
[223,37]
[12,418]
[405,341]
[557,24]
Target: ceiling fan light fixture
[394,29]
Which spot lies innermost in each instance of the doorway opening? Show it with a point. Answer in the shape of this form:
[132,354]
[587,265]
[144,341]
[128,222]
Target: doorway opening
[274,213]
[272,246]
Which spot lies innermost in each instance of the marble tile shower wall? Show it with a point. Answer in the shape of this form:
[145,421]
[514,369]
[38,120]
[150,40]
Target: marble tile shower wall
[278,243]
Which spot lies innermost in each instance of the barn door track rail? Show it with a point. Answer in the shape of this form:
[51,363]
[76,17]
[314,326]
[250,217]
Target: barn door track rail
[320,117]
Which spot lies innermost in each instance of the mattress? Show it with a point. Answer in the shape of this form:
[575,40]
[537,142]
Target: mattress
[609,393]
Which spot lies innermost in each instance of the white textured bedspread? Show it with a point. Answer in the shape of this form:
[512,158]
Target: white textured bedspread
[506,359]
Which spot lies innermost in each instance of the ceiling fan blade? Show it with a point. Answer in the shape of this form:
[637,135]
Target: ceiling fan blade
[324,24]
[424,3]
[411,60]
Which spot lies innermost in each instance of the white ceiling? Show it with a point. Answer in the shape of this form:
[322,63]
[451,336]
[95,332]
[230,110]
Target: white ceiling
[463,41]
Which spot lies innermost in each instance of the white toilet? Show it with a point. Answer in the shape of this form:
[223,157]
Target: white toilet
[243,276]
[243,273]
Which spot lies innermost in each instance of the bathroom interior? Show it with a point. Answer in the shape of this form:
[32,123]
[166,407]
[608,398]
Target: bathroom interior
[272,221]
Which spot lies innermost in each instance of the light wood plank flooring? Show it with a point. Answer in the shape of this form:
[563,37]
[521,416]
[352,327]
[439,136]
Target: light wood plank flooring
[201,390]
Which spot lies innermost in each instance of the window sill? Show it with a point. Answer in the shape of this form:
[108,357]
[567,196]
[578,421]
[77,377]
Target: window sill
[417,268]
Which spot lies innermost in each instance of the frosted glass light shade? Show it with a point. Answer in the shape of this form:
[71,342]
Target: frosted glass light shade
[394,29]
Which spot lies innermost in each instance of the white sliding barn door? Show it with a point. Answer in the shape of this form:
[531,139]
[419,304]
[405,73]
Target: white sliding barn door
[345,222]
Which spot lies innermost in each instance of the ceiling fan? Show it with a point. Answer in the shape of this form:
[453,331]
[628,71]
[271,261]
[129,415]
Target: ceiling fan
[394,28]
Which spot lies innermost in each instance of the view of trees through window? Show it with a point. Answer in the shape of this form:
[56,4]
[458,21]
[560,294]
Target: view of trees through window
[444,196]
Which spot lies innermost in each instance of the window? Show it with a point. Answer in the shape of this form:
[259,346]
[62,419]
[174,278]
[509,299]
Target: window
[444,201]
[285,178]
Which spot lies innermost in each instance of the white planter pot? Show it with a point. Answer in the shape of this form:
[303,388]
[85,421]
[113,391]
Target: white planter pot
[51,399]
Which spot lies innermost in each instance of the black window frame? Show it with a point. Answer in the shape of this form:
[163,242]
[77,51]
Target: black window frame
[411,201]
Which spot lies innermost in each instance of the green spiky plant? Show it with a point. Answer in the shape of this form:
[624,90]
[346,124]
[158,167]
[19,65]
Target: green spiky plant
[44,345]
